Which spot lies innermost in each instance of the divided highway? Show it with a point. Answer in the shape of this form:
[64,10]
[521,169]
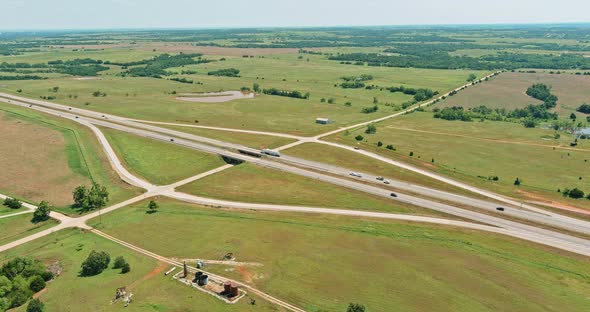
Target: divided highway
[511,228]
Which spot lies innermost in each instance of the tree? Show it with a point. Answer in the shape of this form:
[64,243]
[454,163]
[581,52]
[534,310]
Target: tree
[331,101]
[584,108]
[471,78]
[371,129]
[42,212]
[517,182]
[119,262]
[576,193]
[411,154]
[35,306]
[359,137]
[126,268]
[95,263]
[573,116]
[379,144]
[355,307]
[12,203]
[95,197]
[152,206]
[55,89]
[37,284]
[256,87]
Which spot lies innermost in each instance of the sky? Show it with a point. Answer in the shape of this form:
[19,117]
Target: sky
[108,14]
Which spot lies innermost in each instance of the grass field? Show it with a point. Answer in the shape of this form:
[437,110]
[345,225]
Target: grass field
[324,262]
[159,162]
[151,290]
[357,162]
[246,139]
[508,91]
[253,184]
[462,152]
[13,228]
[53,156]
[150,99]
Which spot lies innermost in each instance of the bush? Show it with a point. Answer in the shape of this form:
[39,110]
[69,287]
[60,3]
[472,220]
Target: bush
[390,147]
[371,109]
[35,306]
[119,263]
[576,193]
[371,129]
[379,144]
[584,108]
[517,182]
[37,284]
[355,307]
[359,137]
[12,203]
[126,268]
[95,263]
[227,72]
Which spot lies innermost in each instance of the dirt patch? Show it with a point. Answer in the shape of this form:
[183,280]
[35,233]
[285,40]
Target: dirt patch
[540,200]
[39,293]
[34,162]
[246,275]
[157,270]
[215,97]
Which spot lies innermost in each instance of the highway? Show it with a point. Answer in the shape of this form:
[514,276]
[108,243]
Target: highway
[285,163]
[511,228]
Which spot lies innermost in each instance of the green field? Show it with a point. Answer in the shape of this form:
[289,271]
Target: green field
[83,154]
[253,184]
[151,99]
[508,91]
[13,228]
[358,162]
[320,262]
[246,139]
[464,153]
[151,290]
[159,162]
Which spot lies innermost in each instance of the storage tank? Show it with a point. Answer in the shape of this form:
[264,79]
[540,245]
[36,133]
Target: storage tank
[198,276]
[233,290]
[204,280]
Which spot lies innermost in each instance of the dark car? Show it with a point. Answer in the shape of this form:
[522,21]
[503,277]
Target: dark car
[500,208]
[393,195]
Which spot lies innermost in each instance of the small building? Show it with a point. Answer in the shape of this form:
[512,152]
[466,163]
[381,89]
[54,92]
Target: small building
[322,121]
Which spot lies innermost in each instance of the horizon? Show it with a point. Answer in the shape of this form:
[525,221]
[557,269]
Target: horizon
[271,27]
[184,14]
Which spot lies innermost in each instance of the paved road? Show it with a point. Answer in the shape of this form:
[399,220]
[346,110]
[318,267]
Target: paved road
[222,148]
[519,230]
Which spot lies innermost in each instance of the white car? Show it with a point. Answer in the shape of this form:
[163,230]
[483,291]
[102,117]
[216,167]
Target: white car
[355,174]
[386,181]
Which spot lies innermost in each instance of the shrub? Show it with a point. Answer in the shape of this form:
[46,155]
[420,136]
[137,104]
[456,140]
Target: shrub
[359,137]
[371,129]
[119,263]
[35,306]
[126,268]
[37,284]
[12,203]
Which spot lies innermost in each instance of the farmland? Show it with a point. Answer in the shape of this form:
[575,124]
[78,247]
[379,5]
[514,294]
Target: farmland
[407,260]
[493,215]
[474,151]
[74,157]
[508,91]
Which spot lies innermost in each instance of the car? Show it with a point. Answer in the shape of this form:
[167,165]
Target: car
[500,208]
[386,181]
[356,148]
[393,195]
[355,174]
[380,178]
[171,140]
